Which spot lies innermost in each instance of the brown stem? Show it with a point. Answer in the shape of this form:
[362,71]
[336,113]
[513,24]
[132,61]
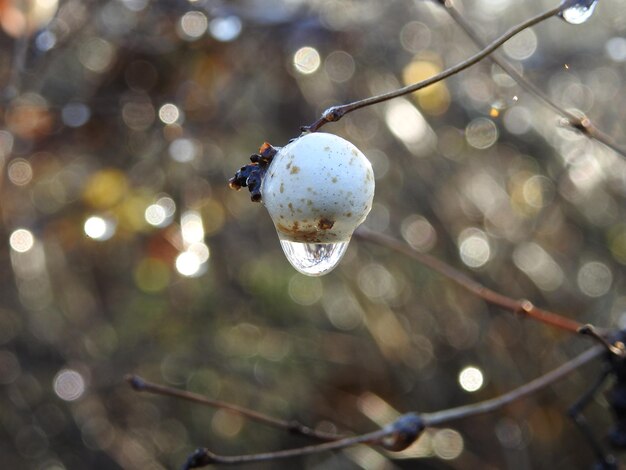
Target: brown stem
[582,124]
[337,112]
[396,436]
[440,417]
[294,427]
[524,307]
[204,457]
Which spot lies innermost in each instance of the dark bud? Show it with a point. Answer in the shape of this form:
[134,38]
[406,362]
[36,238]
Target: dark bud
[403,432]
[332,114]
[200,458]
[136,382]
[251,176]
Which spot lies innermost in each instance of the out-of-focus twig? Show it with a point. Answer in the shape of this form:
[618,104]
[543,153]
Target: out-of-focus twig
[395,437]
[524,307]
[580,123]
[335,113]
[487,406]
[141,385]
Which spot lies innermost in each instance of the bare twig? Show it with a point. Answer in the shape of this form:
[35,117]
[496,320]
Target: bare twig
[487,406]
[580,123]
[204,457]
[294,427]
[395,436]
[524,307]
[335,113]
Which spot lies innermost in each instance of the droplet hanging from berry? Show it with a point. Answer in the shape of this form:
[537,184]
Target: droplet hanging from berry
[577,11]
[314,259]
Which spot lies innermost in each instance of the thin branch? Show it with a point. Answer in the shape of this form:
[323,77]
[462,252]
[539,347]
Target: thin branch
[582,124]
[576,413]
[204,457]
[524,307]
[335,113]
[294,427]
[440,417]
[396,436]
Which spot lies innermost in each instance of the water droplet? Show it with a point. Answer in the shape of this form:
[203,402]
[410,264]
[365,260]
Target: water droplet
[314,259]
[577,11]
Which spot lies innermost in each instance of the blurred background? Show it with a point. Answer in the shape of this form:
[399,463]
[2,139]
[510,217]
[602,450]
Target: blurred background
[124,251]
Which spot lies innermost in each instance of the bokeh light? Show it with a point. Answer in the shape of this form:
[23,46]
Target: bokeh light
[192,227]
[481,133]
[169,113]
[75,114]
[434,99]
[522,46]
[471,379]
[406,122]
[594,279]
[539,265]
[448,444]
[189,264]
[184,150]
[96,54]
[99,228]
[225,29]
[339,66]
[20,172]
[69,385]
[418,233]
[474,248]
[306,60]
[161,213]
[21,240]
[193,25]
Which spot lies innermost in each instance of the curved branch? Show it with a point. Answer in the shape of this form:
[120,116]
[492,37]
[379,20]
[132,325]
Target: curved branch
[582,124]
[141,385]
[396,436]
[335,113]
[203,457]
[524,307]
[441,417]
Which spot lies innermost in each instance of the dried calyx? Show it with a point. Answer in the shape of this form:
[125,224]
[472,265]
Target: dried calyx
[251,175]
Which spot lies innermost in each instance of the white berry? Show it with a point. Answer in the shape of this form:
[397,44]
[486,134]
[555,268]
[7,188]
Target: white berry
[318,189]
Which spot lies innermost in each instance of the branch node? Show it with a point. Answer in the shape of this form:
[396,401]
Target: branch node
[333,114]
[524,307]
[403,432]
[617,349]
[137,383]
[295,427]
[582,124]
[199,458]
